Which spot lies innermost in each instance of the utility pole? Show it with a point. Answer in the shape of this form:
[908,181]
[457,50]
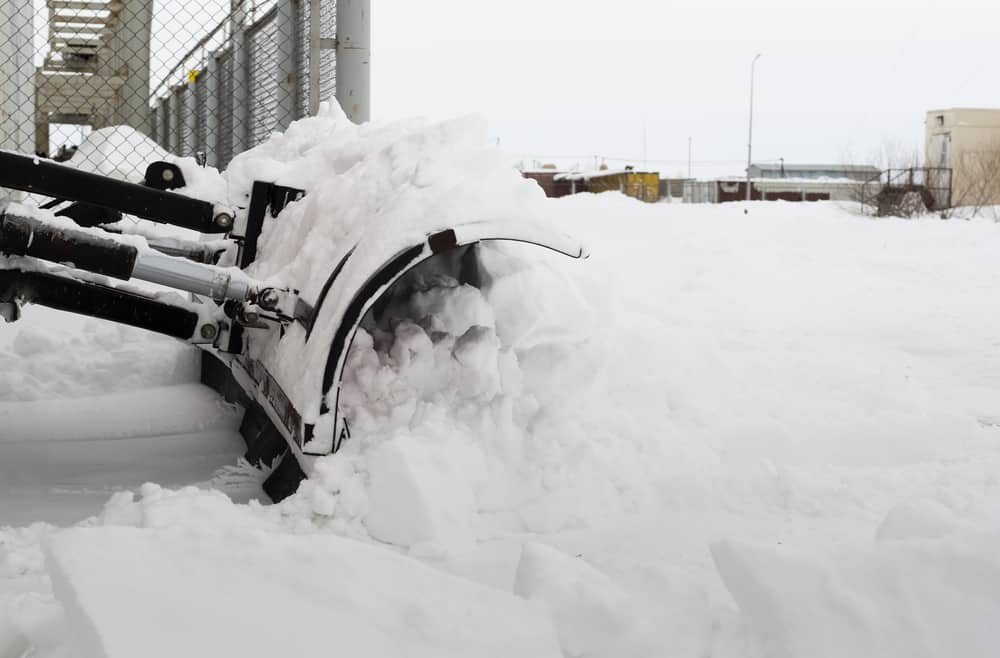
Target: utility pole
[750,137]
[644,160]
[689,157]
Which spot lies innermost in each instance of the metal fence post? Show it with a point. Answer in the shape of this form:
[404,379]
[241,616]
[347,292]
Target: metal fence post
[214,84]
[286,70]
[176,112]
[167,121]
[314,55]
[154,123]
[189,123]
[238,72]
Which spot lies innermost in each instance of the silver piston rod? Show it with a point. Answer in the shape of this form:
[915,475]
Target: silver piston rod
[184,275]
[27,236]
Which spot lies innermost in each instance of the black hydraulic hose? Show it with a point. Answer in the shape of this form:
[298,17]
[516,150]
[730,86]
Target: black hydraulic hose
[96,301]
[25,236]
[40,176]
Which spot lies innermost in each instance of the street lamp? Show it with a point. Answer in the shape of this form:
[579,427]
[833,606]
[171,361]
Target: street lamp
[750,138]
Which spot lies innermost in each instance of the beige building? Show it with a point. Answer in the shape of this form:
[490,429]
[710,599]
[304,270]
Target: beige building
[967,141]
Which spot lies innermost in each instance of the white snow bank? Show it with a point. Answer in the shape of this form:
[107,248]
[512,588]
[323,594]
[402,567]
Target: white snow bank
[212,592]
[787,375]
[181,409]
[917,598]
[50,355]
[120,152]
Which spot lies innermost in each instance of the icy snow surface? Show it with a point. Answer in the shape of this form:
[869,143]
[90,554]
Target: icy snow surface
[726,434]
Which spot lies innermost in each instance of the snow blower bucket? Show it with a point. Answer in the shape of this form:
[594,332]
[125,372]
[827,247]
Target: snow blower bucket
[350,293]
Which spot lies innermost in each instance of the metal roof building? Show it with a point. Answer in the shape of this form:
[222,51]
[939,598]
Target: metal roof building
[814,171]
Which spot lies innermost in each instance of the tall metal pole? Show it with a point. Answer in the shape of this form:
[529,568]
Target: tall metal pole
[645,166]
[315,48]
[750,137]
[354,27]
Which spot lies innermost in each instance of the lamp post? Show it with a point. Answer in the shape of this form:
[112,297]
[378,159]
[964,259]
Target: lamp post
[750,137]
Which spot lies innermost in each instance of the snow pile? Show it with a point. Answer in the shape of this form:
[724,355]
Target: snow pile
[476,412]
[389,179]
[120,152]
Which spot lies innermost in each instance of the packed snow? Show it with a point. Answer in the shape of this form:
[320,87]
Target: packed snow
[764,429]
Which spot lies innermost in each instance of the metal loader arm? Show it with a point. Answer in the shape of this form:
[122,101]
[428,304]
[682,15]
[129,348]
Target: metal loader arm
[40,176]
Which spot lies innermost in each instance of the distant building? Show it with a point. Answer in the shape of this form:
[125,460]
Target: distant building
[767,189]
[641,185]
[861,173]
[967,141]
[553,188]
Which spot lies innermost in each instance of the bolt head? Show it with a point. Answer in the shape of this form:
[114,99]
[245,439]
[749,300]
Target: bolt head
[209,331]
[269,298]
[168,175]
[223,220]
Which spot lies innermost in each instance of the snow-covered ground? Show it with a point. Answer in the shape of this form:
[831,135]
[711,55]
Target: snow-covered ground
[763,433]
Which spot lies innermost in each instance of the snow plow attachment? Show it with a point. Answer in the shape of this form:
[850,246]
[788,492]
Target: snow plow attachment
[279,352]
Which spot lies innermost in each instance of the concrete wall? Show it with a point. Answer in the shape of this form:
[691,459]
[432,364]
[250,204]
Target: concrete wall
[968,142]
[127,55]
[17,86]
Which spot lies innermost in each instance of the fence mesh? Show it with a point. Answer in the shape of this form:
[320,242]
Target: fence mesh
[263,75]
[216,76]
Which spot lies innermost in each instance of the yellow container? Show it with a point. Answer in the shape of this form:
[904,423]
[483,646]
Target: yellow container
[644,186]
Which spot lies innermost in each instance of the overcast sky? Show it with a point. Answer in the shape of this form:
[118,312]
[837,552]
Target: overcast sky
[570,79]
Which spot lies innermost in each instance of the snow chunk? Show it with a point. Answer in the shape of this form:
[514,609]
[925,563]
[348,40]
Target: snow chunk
[127,593]
[418,493]
[593,615]
[919,599]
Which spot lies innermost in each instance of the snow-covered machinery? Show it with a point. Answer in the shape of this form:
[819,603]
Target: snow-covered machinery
[255,337]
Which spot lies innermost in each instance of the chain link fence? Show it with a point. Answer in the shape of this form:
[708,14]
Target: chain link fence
[124,80]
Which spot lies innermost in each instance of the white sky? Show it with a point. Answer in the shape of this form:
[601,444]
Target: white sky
[567,80]
[570,79]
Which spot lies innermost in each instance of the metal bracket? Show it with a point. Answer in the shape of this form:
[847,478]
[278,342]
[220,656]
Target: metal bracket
[264,196]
